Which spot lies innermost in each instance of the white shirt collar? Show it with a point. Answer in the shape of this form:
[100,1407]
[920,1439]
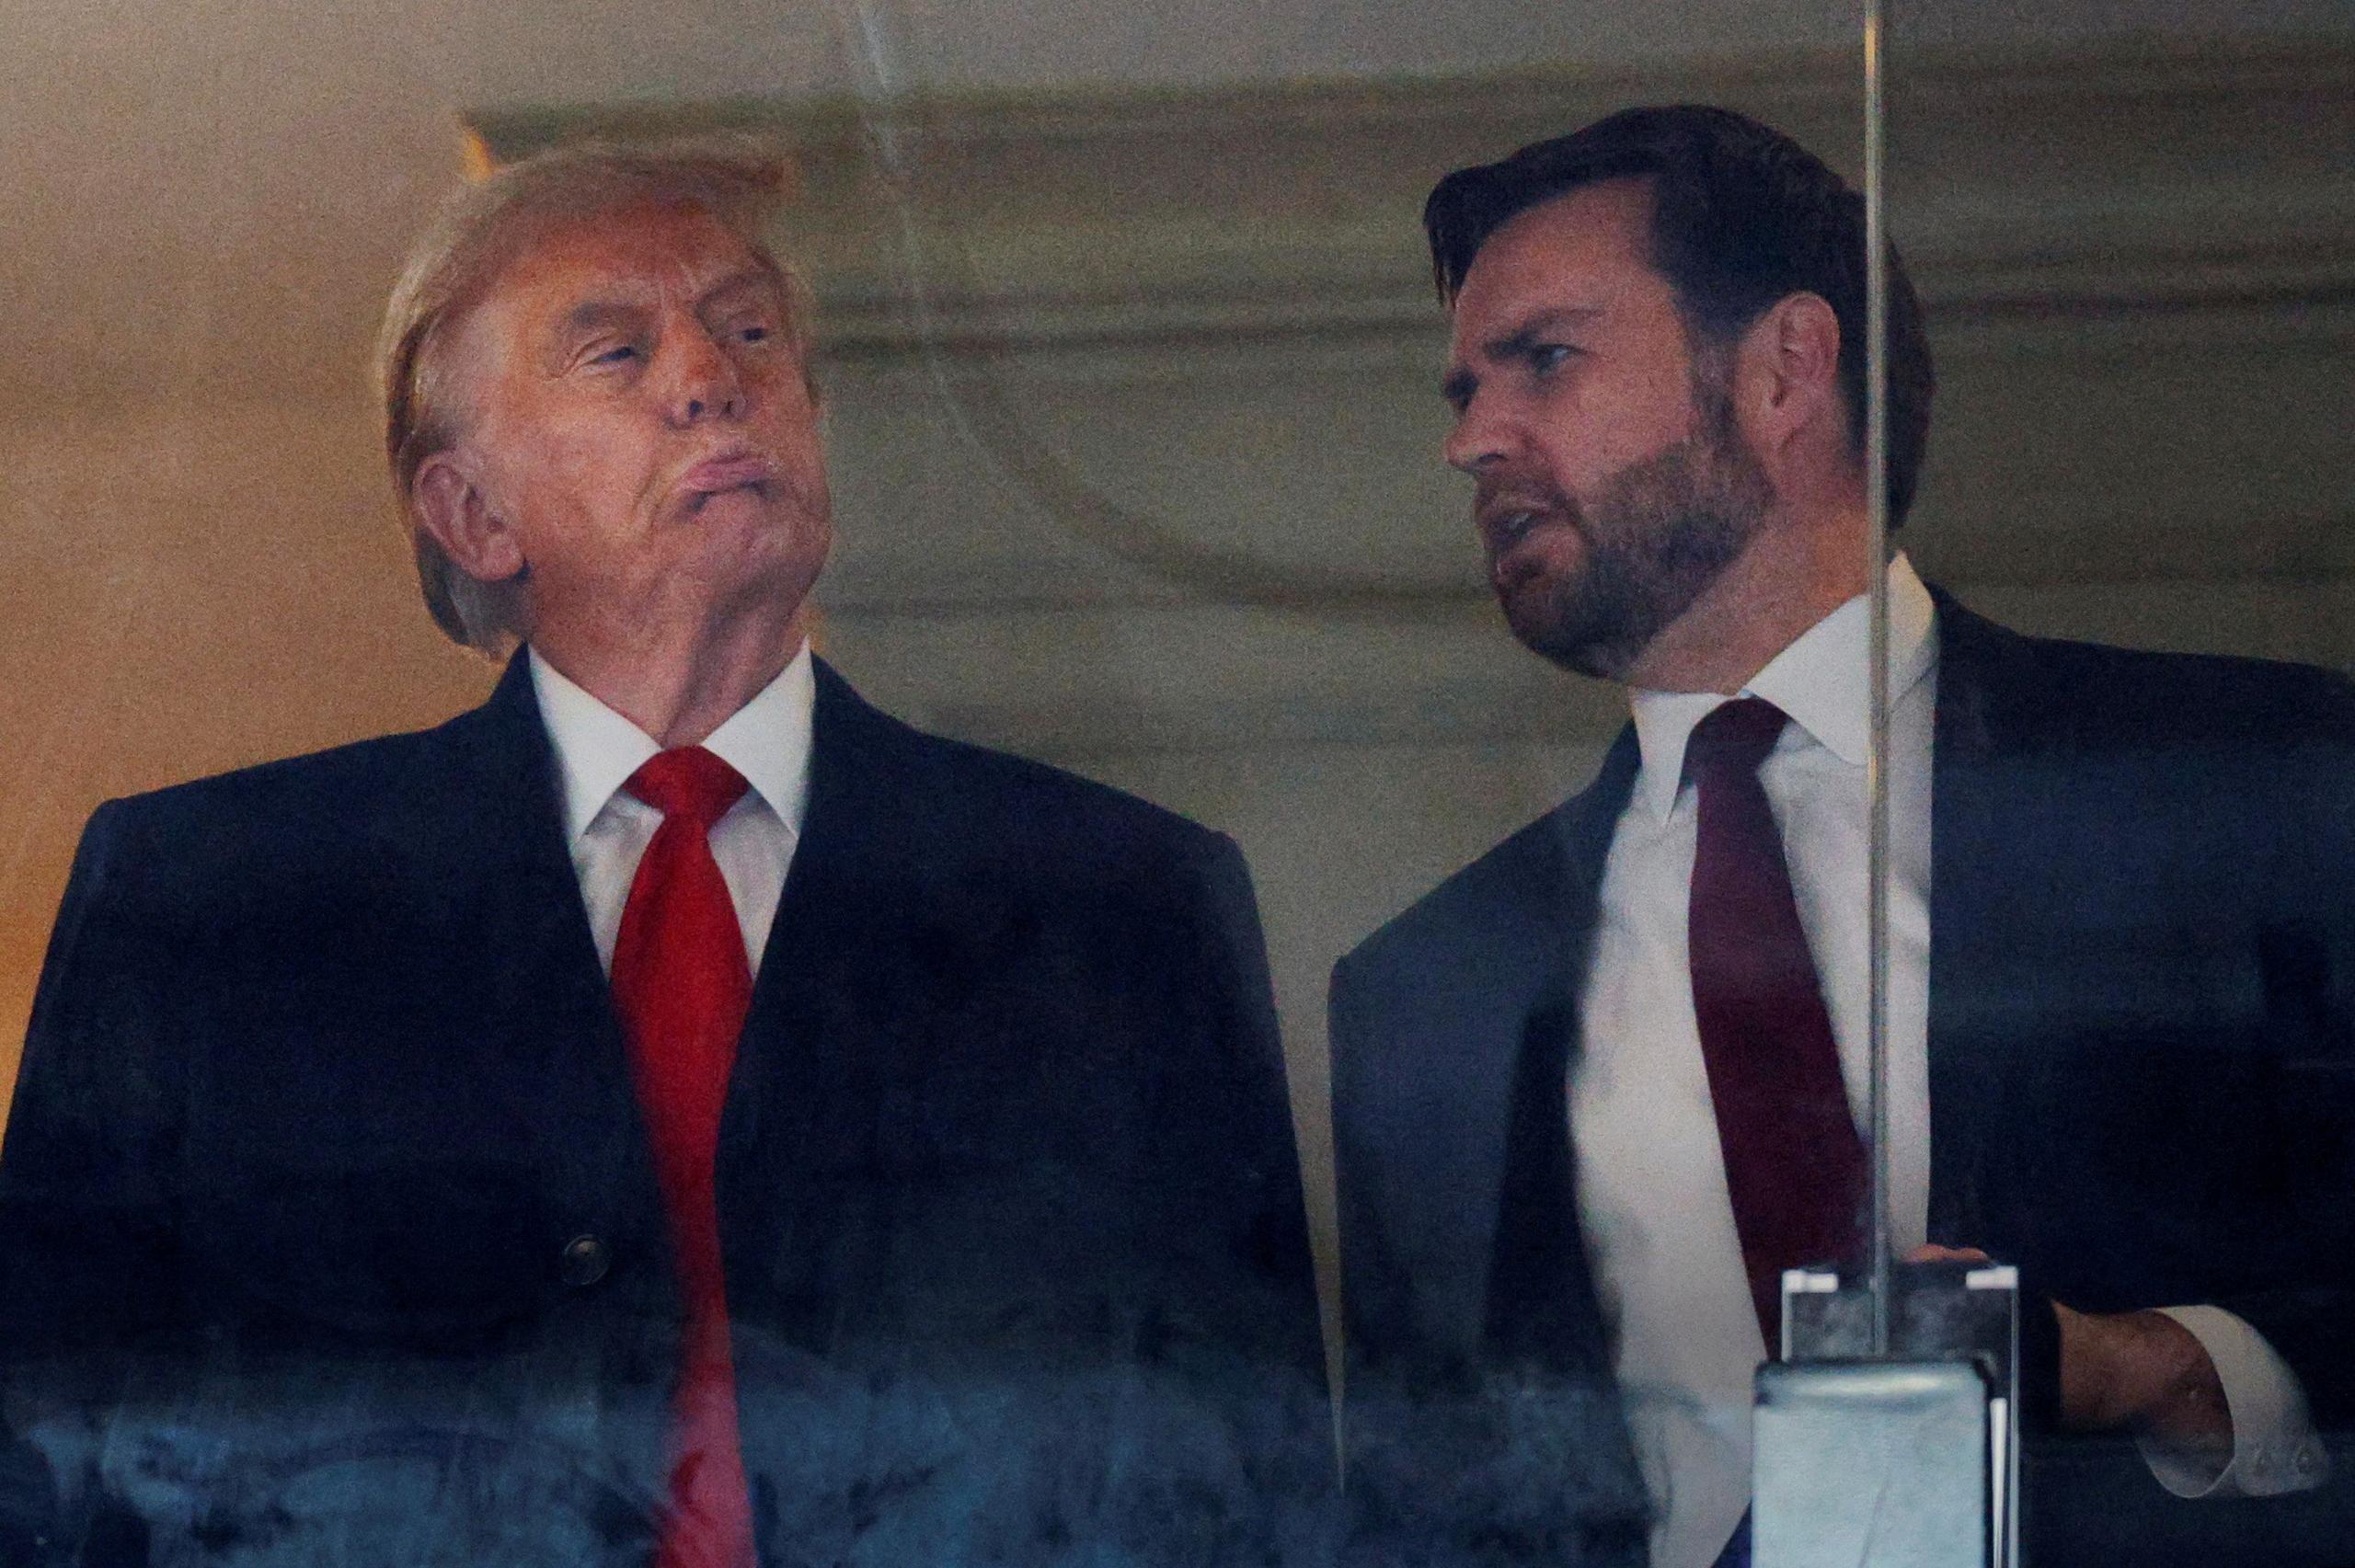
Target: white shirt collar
[1821,681]
[597,749]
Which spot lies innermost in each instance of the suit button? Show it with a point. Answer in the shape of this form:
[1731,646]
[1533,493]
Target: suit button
[585,1260]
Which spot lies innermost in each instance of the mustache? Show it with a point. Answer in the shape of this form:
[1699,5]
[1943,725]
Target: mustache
[1505,507]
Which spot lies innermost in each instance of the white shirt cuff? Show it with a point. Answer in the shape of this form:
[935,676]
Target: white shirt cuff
[2274,1446]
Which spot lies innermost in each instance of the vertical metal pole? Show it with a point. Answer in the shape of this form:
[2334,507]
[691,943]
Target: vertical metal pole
[1877,765]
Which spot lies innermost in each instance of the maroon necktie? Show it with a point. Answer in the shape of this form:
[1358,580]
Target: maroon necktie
[682,984]
[1795,1166]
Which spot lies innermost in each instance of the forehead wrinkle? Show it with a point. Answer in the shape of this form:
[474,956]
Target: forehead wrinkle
[592,313]
[1511,344]
[1524,335]
[616,286]
[605,310]
[755,278]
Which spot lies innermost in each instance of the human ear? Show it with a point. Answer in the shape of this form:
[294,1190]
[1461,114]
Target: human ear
[450,505]
[1786,375]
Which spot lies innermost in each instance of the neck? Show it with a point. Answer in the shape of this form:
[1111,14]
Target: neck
[1796,571]
[677,685]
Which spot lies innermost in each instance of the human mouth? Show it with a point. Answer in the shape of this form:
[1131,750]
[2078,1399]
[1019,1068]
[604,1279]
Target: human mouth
[1511,522]
[729,471]
[1504,520]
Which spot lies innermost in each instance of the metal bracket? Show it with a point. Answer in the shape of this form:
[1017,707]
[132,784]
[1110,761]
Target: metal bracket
[1907,1459]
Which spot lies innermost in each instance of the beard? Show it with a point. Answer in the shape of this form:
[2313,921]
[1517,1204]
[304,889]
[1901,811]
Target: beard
[1659,532]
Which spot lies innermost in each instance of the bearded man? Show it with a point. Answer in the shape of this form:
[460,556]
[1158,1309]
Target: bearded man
[674,1113]
[1593,1094]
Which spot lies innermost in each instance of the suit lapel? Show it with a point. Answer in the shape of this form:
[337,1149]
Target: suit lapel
[829,1015]
[1541,1303]
[481,825]
[1985,733]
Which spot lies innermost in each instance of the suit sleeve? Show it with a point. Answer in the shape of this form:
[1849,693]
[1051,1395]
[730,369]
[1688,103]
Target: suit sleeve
[1237,1341]
[2305,961]
[1224,1102]
[89,1277]
[1474,1455]
[85,1198]
[2306,967]
[1258,1111]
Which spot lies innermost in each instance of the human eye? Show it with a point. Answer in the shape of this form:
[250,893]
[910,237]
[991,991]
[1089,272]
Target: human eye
[752,329]
[742,315]
[1545,358]
[611,355]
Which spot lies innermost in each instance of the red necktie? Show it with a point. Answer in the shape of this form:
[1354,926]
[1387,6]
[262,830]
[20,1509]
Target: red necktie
[681,984]
[1795,1166]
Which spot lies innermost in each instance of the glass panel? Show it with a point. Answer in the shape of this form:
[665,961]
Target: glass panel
[1129,361]
[2130,234]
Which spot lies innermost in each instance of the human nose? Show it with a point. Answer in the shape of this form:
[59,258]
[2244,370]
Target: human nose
[1481,438]
[705,381]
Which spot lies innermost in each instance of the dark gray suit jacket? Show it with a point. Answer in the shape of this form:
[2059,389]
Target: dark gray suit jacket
[328,1231]
[2142,1086]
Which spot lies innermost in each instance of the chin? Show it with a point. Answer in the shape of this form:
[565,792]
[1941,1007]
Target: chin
[1534,603]
[778,576]
[1563,633]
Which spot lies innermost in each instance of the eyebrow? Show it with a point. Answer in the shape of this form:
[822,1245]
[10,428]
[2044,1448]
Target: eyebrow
[1526,337]
[751,278]
[590,316]
[1458,385]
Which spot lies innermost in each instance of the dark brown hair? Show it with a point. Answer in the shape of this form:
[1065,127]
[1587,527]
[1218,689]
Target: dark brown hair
[1742,216]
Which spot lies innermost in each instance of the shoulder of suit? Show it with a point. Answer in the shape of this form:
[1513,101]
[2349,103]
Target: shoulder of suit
[336,780]
[1463,910]
[253,827]
[978,797]
[2144,698]
[1019,802]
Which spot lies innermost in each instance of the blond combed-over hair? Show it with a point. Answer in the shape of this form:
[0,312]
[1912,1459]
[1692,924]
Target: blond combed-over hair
[479,234]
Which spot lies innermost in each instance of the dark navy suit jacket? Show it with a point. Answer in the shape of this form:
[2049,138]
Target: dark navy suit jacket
[328,1231]
[2142,1092]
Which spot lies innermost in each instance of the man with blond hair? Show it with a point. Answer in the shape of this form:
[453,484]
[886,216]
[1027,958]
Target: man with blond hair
[673,1113]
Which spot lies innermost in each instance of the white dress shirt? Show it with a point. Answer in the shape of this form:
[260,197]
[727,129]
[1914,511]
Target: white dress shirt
[597,749]
[1652,1196]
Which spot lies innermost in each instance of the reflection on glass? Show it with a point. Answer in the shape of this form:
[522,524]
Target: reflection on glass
[1128,358]
[2123,919]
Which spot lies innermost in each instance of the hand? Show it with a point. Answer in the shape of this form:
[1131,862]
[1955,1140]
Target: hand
[2130,1372]
[1933,1253]
[2143,1372]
